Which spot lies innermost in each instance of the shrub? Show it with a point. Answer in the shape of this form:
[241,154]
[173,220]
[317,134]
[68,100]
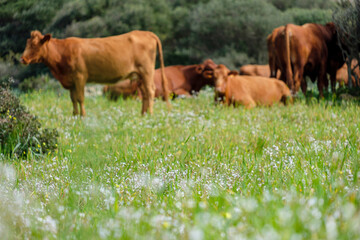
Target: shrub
[20,131]
[43,82]
[315,15]
[233,60]
[220,25]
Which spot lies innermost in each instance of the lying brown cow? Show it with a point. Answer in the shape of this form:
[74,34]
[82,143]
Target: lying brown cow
[249,91]
[257,70]
[187,80]
[76,61]
[342,74]
[182,80]
[126,88]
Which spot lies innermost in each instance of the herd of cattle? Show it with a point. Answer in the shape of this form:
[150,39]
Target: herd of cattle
[127,62]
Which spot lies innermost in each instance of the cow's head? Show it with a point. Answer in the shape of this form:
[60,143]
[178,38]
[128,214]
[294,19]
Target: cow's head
[206,69]
[221,74]
[34,50]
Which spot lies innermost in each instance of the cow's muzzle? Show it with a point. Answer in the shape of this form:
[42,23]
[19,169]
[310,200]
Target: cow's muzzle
[23,60]
[219,89]
[208,74]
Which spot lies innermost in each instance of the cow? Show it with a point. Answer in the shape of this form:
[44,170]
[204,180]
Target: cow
[182,80]
[187,80]
[249,91]
[76,61]
[309,50]
[342,74]
[126,88]
[257,70]
[274,61]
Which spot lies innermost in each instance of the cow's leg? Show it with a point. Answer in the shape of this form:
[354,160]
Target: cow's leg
[298,77]
[320,88]
[182,91]
[147,90]
[148,93]
[145,98]
[79,94]
[228,100]
[248,103]
[81,102]
[74,101]
[333,82]
[80,90]
[322,79]
[304,86]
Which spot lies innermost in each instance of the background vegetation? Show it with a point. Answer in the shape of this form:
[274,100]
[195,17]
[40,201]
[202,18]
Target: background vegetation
[232,32]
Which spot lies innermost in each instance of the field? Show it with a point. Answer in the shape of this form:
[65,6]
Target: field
[199,171]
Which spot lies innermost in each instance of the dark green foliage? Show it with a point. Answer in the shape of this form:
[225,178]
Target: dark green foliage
[220,25]
[20,16]
[347,20]
[306,4]
[230,31]
[42,82]
[315,15]
[20,131]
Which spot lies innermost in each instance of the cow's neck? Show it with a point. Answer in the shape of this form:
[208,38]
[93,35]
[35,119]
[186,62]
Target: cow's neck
[54,60]
[52,56]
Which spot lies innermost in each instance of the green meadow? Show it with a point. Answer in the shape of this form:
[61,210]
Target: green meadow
[198,171]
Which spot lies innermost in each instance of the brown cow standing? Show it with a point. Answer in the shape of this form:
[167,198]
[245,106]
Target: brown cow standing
[274,61]
[249,91]
[257,70]
[76,61]
[312,50]
[182,80]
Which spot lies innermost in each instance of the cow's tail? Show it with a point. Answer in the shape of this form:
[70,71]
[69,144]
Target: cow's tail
[164,80]
[289,74]
[269,41]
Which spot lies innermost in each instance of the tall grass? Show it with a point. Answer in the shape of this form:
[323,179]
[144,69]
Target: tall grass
[199,171]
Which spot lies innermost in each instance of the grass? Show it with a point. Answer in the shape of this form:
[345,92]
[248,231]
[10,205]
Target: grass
[199,171]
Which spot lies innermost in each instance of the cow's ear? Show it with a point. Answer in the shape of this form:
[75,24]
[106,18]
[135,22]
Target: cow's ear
[199,69]
[233,72]
[46,38]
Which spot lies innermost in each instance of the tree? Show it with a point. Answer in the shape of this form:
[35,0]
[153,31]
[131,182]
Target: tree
[347,21]
[18,18]
[237,25]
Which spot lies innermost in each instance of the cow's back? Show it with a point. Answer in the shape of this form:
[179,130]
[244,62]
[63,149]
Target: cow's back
[256,70]
[109,59]
[263,91]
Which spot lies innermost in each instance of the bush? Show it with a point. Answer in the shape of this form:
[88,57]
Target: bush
[42,82]
[307,4]
[302,16]
[8,68]
[220,25]
[347,21]
[20,131]
[233,60]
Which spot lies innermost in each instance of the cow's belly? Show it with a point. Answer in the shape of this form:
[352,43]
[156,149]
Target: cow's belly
[265,93]
[108,72]
[108,65]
